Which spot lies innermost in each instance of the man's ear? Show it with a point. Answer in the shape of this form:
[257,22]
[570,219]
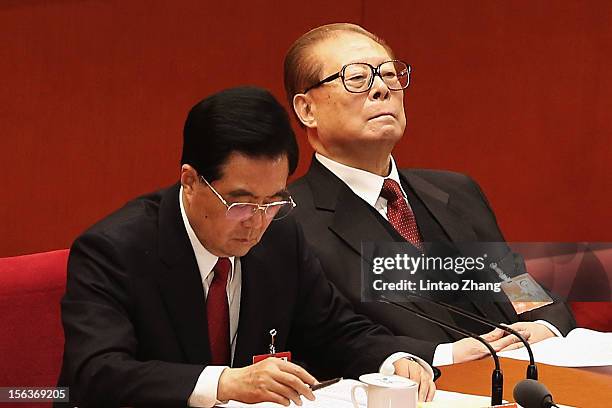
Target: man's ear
[189,178]
[303,107]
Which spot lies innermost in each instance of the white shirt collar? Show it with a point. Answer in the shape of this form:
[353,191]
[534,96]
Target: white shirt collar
[206,261]
[363,183]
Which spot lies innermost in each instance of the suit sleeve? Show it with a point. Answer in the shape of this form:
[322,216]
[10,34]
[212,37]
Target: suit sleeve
[329,332]
[558,313]
[101,362]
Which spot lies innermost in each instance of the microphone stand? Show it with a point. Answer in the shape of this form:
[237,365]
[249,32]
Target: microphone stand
[532,369]
[497,378]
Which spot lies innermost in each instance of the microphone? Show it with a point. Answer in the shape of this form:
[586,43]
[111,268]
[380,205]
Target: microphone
[497,378]
[532,369]
[532,394]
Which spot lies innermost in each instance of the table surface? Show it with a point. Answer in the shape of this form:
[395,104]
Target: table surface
[580,387]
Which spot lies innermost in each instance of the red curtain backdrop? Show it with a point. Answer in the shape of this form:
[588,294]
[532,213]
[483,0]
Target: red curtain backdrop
[94,94]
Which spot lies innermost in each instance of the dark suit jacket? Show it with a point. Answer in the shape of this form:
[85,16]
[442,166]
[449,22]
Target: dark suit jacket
[448,207]
[135,320]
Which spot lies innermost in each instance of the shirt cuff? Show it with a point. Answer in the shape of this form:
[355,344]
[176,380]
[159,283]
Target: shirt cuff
[204,393]
[551,327]
[443,355]
[400,354]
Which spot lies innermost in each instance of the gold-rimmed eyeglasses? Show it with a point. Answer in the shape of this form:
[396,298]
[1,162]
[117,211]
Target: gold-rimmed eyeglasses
[244,211]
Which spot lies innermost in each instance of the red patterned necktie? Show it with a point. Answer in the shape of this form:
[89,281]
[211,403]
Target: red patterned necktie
[217,314]
[399,214]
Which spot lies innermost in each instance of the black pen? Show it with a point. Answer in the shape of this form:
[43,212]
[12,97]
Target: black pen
[324,384]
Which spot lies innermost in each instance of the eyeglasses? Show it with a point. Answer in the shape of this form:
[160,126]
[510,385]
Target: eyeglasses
[245,211]
[358,77]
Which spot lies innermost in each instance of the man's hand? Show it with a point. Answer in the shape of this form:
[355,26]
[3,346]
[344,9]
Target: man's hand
[469,349]
[414,371]
[532,331]
[270,380]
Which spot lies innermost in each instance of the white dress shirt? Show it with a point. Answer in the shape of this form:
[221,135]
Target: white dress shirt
[367,186]
[204,393]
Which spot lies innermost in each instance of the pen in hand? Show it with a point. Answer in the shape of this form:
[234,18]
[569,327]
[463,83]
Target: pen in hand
[324,384]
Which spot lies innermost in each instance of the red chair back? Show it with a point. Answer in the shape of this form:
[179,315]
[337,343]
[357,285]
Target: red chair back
[31,335]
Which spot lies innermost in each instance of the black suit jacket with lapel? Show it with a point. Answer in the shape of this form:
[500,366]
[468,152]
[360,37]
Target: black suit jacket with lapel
[134,309]
[448,207]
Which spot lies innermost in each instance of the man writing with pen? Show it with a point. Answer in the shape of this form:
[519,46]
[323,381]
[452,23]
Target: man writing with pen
[170,300]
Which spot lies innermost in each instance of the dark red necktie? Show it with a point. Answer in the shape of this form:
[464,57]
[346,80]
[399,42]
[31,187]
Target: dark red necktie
[217,314]
[399,214]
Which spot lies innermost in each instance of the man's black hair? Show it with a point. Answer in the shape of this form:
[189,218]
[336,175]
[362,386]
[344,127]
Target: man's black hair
[248,120]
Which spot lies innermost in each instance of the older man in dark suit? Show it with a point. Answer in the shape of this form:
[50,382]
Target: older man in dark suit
[347,88]
[169,299]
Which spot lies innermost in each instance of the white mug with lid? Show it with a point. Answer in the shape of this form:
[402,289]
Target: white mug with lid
[387,391]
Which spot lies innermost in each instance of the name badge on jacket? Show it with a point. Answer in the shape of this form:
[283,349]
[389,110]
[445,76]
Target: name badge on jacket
[284,355]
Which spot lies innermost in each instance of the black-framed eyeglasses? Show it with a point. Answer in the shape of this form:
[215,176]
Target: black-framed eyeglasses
[358,77]
[244,211]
